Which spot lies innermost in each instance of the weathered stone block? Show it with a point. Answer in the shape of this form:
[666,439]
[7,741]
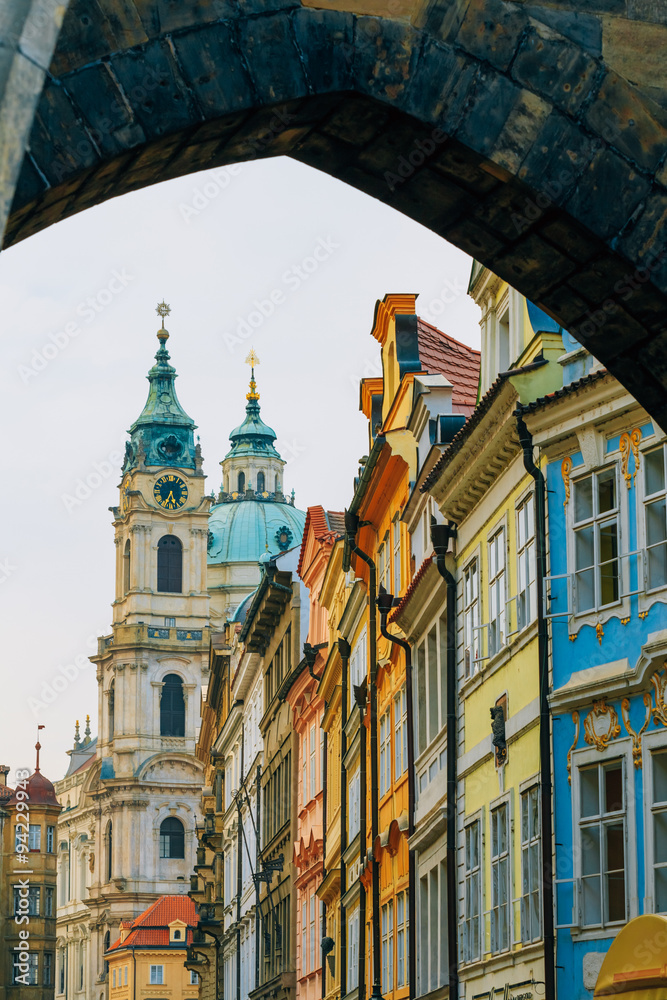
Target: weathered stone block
[357,121]
[510,211]
[431,200]
[635,49]
[59,142]
[464,167]
[556,159]
[648,10]
[491,31]
[607,194]
[565,304]
[385,58]
[535,263]
[160,17]
[326,41]
[96,94]
[577,244]
[152,84]
[490,102]
[517,138]
[439,86]
[621,117]
[554,67]
[582,29]
[214,69]
[324,153]
[275,65]
[475,239]
[90,31]
[646,238]
[598,280]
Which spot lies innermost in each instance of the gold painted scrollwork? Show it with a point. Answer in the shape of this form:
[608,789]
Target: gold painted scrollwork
[575,719]
[659,682]
[601,725]
[565,470]
[636,737]
[630,443]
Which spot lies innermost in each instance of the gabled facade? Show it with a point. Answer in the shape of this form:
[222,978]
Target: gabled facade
[606,601]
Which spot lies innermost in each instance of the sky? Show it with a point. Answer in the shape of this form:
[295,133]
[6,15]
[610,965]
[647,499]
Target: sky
[269,254]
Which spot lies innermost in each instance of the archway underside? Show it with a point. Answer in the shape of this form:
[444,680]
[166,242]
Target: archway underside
[512,141]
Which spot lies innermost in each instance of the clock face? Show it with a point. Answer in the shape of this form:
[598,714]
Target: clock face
[170,492]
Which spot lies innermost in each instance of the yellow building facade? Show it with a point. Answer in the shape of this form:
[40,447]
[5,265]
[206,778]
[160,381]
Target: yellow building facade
[147,960]
[486,487]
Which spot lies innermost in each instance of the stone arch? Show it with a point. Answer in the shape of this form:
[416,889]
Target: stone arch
[512,132]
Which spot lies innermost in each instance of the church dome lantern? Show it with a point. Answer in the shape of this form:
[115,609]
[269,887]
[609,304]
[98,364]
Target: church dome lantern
[252,514]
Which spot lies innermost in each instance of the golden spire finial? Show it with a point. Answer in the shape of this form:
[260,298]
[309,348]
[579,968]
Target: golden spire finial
[252,360]
[162,310]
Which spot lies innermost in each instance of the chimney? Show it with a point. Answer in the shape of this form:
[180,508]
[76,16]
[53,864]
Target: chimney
[4,771]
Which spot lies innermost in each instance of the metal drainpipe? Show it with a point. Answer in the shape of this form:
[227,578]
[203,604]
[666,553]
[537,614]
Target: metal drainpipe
[351,527]
[526,441]
[257,882]
[344,650]
[385,602]
[440,536]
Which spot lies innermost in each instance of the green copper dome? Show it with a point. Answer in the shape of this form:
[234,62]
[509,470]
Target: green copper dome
[242,531]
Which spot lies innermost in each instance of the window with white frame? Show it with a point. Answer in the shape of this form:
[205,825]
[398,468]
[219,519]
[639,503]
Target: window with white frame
[353,804]
[472,919]
[113,978]
[157,975]
[125,976]
[433,966]
[353,949]
[471,617]
[194,978]
[431,682]
[655,518]
[313,761]
[526,584]
[397,556]
[313,964]
[304,936]
[602,836]
[400,733]
[531,865]
[35,837]
[388,946]
[596,537]
[500,879]
[50,838]
[358,664]
[385,753]
[304,768]
[659,832]
[497,630]
[402,938]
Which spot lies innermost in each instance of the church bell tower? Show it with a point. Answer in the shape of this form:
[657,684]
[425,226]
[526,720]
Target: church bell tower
[146,783]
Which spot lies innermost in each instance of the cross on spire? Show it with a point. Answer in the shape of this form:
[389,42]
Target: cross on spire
[252,360]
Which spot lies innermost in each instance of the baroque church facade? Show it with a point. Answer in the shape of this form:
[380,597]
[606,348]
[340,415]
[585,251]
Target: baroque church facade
[184,559]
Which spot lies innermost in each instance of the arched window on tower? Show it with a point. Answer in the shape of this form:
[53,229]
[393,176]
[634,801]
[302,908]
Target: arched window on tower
[277,484]
[109,846]
[126,568]
[112,700]
[170,565]
[172,838]
[226,484]
[172,707]
[241,482]
[260,482]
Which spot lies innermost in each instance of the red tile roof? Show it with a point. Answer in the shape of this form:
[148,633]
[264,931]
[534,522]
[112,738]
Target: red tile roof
[151,928]
[327,525]
[440,354]
[405,600]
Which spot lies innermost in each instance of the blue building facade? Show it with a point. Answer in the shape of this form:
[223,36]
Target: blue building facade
[605,465]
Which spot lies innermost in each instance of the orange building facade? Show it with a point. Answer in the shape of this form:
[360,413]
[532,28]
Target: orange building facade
[428,387]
